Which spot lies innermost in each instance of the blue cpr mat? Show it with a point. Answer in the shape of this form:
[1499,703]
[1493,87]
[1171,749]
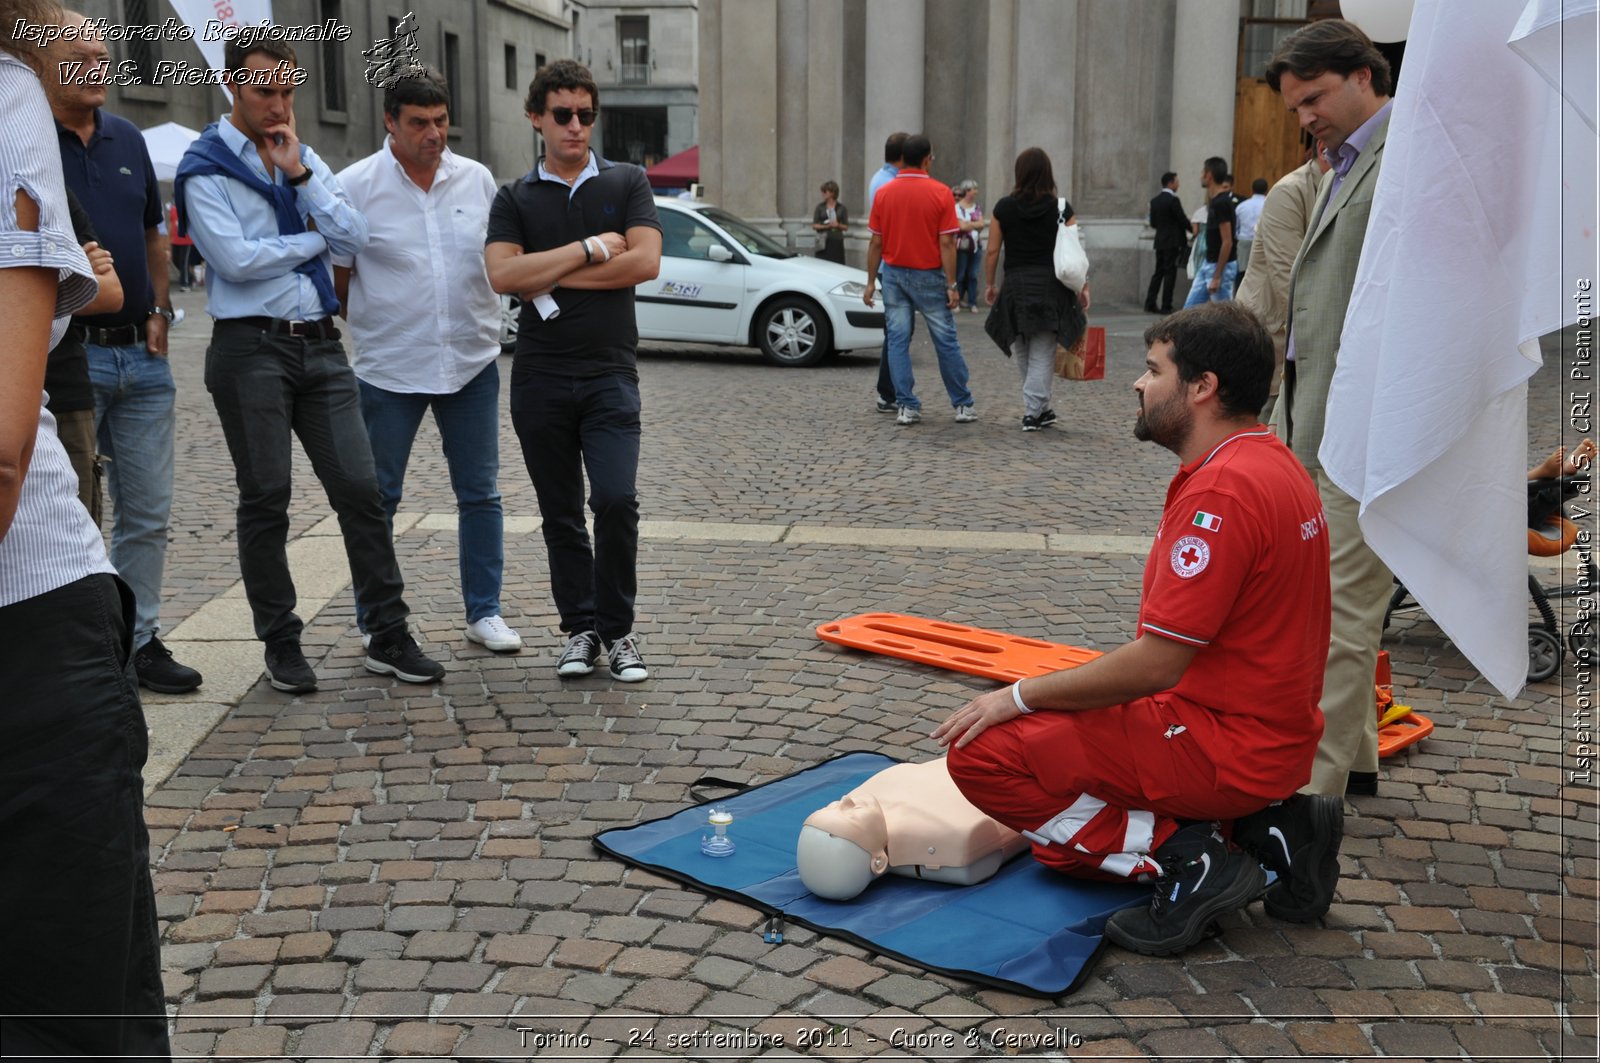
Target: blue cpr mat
[1026,929]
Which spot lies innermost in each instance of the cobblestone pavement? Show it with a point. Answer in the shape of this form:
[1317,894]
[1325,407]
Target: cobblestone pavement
[396,870]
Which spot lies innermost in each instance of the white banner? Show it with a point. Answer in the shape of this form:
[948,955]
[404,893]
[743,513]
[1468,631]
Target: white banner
[207,18]
[1482,227]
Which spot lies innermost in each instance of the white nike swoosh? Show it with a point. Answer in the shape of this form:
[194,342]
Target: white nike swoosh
[1278,834]
[1205,869]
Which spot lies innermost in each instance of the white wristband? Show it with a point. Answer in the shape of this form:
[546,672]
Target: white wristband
[1016,698]
[604,252]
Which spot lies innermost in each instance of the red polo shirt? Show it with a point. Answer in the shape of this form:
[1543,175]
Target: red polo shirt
[909,213]
[1240,569]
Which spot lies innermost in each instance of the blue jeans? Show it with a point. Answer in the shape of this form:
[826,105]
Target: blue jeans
[569,426]
[906,291]
[1199,291]
[133,411]
[967,276]
[469,428]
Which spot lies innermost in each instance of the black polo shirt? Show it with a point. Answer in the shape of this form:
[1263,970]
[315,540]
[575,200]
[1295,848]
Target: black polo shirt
[113,178]
[596,332]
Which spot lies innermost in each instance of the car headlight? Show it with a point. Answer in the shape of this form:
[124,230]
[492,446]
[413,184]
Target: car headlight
[850,290]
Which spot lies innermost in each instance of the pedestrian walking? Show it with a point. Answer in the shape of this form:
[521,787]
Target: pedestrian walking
[969,244]
[1032,312]
[913,245]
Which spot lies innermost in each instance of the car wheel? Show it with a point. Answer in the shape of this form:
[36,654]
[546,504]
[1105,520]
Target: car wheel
[793,331]
[510,314]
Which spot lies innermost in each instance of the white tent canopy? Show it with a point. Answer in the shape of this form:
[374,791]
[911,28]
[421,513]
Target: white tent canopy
[167,143]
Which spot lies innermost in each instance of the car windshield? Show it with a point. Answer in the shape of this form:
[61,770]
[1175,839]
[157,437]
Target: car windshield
[750,238]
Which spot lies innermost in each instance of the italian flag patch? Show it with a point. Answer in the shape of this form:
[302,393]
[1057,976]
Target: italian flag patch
[1208,521]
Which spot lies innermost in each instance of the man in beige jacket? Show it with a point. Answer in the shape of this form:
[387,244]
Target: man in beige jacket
[1338,83]
[1285,217]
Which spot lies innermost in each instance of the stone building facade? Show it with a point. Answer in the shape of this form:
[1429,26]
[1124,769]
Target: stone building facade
[488,50]
[645,57]
[794,92]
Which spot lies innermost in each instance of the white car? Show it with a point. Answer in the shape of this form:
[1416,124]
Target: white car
[724,281]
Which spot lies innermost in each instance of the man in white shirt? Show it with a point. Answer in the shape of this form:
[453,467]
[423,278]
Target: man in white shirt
[426,329]
[1247,213]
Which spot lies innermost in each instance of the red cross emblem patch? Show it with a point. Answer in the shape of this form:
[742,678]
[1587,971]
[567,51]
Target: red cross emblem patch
[1190,556]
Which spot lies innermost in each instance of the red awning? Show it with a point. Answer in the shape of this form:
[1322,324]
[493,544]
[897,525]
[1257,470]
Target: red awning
[680,169]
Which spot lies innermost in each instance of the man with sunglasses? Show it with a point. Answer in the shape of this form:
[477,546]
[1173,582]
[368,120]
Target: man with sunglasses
[572,238]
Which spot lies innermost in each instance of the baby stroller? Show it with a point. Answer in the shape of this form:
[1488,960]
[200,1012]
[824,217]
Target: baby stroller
[1550,534]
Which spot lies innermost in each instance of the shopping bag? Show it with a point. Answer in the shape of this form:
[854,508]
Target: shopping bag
[1087,359]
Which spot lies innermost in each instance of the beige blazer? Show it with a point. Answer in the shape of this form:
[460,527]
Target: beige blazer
[1279,232]
[1319,292]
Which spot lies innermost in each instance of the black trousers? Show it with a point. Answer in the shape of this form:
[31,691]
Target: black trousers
[80,915]
[1168,259]
[569,426]
[265,387]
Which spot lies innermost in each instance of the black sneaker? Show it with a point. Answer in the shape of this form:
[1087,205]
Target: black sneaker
[396,653]
[886,405]
[1361,784]
[1030,424]
[583,649]
[156,669]
[1202,877]
[1048,418]
[1299,839]
[627,666]
[288,667]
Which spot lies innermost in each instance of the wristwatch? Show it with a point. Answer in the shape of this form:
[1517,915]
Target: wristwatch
[305,175]
[164,311]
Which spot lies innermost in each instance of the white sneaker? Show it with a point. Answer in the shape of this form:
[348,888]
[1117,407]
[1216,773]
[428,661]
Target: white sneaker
[966,414]
[908,415]
[493,633]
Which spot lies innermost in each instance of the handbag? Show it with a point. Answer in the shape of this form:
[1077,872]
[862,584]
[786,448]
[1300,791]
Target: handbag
[1071,264]
[1087,358]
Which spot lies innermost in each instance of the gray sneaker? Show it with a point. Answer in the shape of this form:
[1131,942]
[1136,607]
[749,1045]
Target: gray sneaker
[966,414]
[582,650]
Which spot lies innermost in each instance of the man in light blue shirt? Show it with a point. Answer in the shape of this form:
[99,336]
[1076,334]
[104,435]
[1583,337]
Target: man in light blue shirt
[266,213]
[893,149]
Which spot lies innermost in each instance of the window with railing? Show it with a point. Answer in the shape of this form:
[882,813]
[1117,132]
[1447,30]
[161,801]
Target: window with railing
[333,90]
[633,44]
[143,49]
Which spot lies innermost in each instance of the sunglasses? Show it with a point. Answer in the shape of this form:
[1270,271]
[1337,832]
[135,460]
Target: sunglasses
[563,115]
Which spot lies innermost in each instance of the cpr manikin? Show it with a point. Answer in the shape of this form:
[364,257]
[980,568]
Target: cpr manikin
[908,820]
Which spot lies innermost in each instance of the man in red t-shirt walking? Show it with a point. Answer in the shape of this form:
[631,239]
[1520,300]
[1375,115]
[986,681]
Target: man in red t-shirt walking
[913,248]
[1211,712]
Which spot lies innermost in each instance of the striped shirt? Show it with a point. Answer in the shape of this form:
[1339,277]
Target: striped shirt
[51,542]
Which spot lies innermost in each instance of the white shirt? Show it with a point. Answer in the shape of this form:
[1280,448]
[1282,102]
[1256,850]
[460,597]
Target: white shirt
[421,311]
[51,541]
[1247,214]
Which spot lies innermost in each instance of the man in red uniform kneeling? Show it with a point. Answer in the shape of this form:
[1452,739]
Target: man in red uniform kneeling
[1121,768]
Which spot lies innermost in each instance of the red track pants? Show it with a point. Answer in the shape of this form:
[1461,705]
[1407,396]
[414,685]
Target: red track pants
[1097,792]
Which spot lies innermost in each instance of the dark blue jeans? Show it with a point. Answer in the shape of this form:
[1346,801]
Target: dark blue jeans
[569,426]
[265,387]
[80,934]
[469,429]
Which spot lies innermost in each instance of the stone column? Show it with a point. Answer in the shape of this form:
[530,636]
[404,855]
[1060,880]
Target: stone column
[737,65]
[895,56]
[1204,83]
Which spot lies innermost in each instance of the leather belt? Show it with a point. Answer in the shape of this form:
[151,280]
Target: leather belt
[321,329]
[120,336]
